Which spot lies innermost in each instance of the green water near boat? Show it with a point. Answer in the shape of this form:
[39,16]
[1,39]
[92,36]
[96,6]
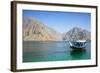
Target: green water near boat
[38,51]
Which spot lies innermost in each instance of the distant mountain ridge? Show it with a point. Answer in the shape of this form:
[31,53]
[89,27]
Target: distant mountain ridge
[35,30]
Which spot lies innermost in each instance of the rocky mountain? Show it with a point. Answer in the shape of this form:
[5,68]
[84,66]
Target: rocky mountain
[34,29]
[77,34]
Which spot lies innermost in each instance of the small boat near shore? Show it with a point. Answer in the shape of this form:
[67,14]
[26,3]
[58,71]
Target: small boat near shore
[79,44]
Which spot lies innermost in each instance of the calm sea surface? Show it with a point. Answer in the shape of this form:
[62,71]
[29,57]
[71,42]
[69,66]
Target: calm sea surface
[36,51]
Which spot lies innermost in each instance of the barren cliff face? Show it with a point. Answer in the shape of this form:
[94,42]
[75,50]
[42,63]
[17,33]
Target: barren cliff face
[77,34]
[34,29]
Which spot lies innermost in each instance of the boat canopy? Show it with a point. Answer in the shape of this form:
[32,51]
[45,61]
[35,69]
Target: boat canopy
[81,41]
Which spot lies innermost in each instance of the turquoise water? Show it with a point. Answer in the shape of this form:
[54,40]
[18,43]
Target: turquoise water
[36,51]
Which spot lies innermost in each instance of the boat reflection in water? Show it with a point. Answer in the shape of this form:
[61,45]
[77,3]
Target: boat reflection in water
[78,54]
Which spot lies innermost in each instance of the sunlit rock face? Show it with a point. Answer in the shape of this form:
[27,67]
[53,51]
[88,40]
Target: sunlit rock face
[77,33]
[34,29]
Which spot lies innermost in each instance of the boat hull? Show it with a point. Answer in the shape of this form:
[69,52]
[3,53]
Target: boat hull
[74,47]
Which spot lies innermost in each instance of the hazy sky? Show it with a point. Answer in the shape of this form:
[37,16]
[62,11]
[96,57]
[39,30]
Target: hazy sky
[61,21]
